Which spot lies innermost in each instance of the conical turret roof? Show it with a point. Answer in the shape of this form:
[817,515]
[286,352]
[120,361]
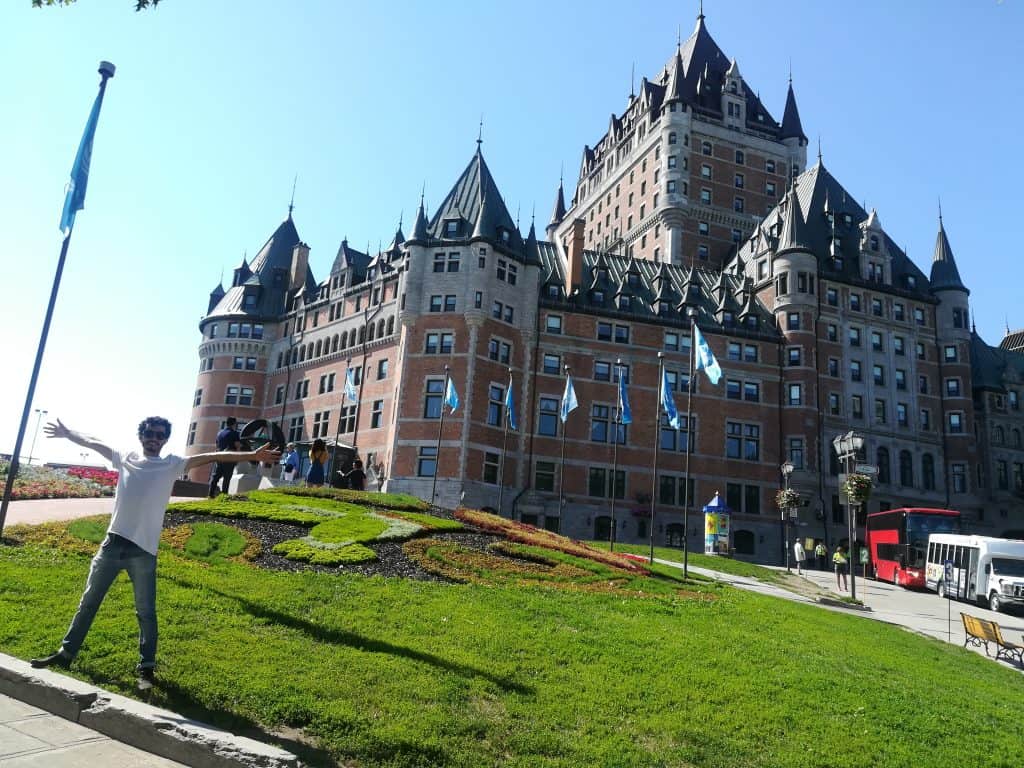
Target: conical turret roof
[791,127]
[945,276]
[559,211]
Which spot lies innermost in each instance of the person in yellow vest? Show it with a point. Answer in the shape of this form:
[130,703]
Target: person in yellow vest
[819,553]
[841,563]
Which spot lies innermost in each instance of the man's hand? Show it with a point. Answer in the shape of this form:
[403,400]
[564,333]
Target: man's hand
[56,429]
[266,453]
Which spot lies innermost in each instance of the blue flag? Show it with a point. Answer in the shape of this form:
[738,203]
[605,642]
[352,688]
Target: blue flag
[74,199]
[510,407]
[668,402]
[705,359]
[569,402]
[350,386]
[451,397]
[627,414]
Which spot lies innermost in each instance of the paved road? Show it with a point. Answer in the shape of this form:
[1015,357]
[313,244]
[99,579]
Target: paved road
[32,738]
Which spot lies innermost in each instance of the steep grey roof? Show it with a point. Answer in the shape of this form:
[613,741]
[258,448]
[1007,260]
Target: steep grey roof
[656,283]
[945,276]
[476,205]
[791,127]
[349,258]
[419,229]
[559,211]
[1013,341]
[992,367]
[268,278]
[791,237]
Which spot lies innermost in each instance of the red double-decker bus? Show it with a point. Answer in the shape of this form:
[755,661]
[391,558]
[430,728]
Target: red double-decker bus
[897,541]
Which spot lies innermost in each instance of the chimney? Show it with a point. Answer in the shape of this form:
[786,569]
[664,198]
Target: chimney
[300,265]
[574,258]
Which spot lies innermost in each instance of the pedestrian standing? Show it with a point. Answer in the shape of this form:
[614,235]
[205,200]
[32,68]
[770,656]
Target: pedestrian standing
[356,476]
[290,463]
[228,439]
[317,459]
[799,555]
[820,553]
[841,563]
[144,483]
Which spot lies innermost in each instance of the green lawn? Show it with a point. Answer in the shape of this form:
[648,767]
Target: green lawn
[713,562]
[391,672]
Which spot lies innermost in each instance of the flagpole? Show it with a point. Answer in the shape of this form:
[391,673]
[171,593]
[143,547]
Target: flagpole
[616,416]
[504,447]
[106,71]
[437,450]
[561,472]
[657,443]
[341,416]
[689,449]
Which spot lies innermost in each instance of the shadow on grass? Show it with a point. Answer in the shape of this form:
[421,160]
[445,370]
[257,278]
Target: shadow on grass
[359,642]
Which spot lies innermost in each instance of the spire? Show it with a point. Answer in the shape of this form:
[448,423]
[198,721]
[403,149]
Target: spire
[532,249]
[791,236]
[676,80]
[419,229]
[791,127]
[944,275]
[559,212]
[291,205]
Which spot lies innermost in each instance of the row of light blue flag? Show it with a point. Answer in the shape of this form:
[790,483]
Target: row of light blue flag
[704,360]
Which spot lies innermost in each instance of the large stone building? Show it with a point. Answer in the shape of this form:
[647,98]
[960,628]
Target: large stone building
[696,204]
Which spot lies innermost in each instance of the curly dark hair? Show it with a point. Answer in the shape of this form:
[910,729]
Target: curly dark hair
[154,421]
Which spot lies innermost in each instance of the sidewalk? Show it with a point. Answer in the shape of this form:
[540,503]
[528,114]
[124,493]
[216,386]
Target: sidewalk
[46,510]
[31,737]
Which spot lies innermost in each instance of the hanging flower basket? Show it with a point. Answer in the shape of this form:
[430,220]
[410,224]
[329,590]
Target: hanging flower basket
[857,488]
[787,499]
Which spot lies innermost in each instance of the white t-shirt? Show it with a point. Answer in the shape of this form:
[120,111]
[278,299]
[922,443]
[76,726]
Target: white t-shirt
[143,489]
[798,551]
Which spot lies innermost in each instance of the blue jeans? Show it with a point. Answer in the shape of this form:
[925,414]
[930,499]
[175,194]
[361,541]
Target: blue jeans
[116,554]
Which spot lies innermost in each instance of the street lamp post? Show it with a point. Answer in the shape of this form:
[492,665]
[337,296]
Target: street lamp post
[39,417]
[787,470]
[847,447]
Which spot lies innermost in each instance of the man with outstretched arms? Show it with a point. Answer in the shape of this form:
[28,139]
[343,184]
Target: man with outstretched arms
[144,483]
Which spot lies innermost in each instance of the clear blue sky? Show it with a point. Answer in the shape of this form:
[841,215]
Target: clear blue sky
[216,106]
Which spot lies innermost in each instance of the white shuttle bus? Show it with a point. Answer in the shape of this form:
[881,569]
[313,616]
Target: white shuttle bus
[986,570]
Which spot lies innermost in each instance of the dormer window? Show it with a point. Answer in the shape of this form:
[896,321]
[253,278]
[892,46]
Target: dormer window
[554,291]
[250,299]
[733,87]
[602,273]
[371,273]
[874,242]
[451,227]
[504,236]
[633,279]
[597,297]
[911,281]
[625,302]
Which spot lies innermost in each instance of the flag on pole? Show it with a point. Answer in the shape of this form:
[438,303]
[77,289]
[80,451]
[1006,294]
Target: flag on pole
[74,198]
[569,402]
[705,359]
[624,410]
[668,402]
[451,397]
[350,386]
[510,407]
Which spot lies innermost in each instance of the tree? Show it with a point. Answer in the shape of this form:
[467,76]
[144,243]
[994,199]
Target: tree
[139,4]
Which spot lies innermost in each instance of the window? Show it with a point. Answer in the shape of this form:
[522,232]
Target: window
[956,423]
[544,476]
[833,332]
[672,138]
[928,472]
[854,337]
[833,367]
[703,228]
[1002,475]
[795,394]
[602,370]
[705,171]
[925,417]
[878,374]
[547,424]
[857,407]
[918,315]
[876,307]
[949,353]
[734,351]
[901,415]
[737,204]
[796,452]
[237,363]
[742,441]
[751,391]
[793,356]
[320,424]
[832,297]
[295,428]
[733,389]
[553,324]
[876,341]
[426,462]
[880,416]
[958,473]
[672,439]
[833,404]
[599,483]
[434,398]
[855,370]
[750,353]
[604,331]
[435,303]
[705,196]
[439,343]
[347,416]
[702,252]
[901,379]
[769,166]
[920,351]
[855,302]
[552,364]
[1014,399]
[376,414]
[279,394]
[622,334]
[672,490]
[599,419]
[495,405]
[705,148]
[953,387]
[793,321]
[738,181]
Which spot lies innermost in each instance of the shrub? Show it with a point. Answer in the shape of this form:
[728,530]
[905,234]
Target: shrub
[303,550]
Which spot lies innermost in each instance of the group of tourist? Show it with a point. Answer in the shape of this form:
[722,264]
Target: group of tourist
[840,560]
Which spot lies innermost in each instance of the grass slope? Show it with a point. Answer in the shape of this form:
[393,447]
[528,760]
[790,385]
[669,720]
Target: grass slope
[388,672]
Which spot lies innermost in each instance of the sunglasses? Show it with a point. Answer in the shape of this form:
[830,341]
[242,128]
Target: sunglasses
[150,434]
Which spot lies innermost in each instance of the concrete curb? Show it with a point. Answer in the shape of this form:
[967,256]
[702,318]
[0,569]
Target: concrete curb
[834,603]
[135,723]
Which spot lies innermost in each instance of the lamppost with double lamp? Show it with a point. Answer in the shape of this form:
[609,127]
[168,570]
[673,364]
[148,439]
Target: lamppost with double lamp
[847,447]
[39,417]
[787,470]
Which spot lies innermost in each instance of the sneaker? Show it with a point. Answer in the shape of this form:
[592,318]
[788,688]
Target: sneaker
[57,659]
[146,679]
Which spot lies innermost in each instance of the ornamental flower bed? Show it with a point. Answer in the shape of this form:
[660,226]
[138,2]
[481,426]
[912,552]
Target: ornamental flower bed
[104,477]
[44,483]
[527,534]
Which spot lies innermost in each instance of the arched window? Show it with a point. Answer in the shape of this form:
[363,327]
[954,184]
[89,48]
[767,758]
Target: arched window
[380,329]
[928,472]
[882,460]
[319,347]
[998,436]
[334,343]
[874,242]
[362,334]
[295,355]
[744,542]
[280,359]
[906,470]
[344,340]
[391,325]
[309,351]
[369,332]
[302,354]
[672,138]
[1016,438]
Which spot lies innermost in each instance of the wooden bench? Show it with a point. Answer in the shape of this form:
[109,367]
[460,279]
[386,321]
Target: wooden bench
[981,632]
